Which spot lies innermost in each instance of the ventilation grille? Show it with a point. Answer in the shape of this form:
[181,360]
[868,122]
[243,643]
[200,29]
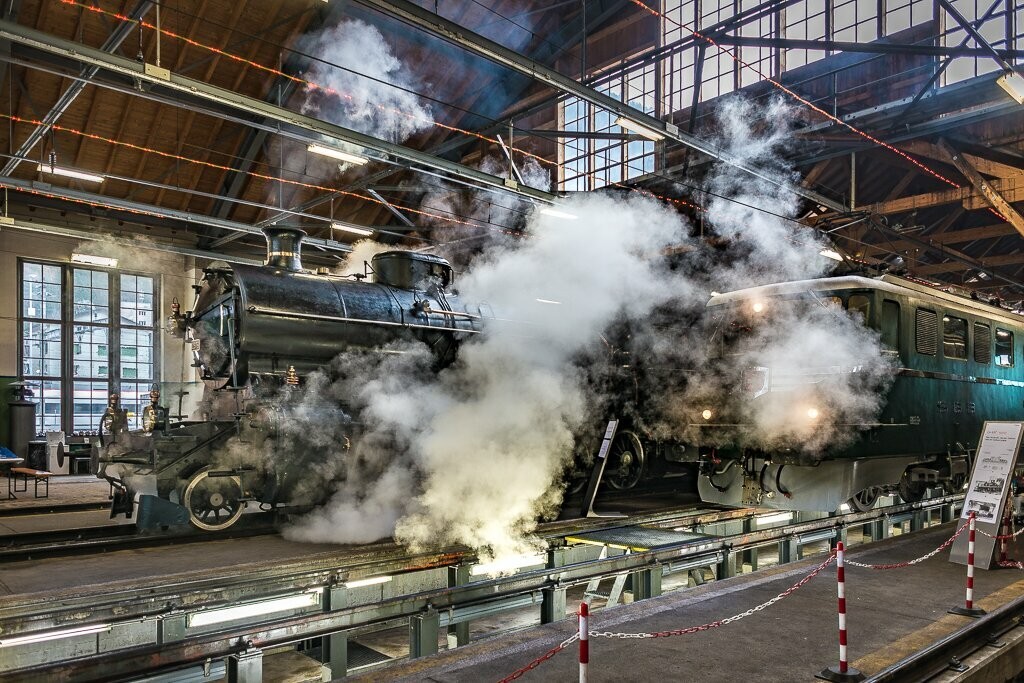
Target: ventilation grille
[927,332]
[982,343]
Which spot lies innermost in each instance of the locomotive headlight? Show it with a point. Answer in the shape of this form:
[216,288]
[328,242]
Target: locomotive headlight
[706,414]
[757,307]
[812,413]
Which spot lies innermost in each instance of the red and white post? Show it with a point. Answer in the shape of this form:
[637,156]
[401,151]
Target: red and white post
[843,672]
[969,610]
[1004,532]
[584,641]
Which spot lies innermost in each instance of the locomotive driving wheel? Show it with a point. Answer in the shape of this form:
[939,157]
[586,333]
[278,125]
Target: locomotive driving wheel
[865,500]
[214,502]
[625,461]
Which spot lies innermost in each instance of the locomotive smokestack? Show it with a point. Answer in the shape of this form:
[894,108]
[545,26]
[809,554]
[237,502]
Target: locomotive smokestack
[284,248]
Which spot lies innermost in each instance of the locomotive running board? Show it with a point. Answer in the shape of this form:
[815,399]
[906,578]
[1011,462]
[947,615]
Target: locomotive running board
[600,462]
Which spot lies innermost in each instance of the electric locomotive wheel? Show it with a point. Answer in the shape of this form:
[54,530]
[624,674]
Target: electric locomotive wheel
[911,491]
[863,501]
[214,502]
[626,461]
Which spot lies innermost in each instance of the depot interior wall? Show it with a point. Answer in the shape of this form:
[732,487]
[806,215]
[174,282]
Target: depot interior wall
[175,273]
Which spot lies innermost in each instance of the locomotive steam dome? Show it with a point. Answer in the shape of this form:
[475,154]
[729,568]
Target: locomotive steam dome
[284,248]
[411,270]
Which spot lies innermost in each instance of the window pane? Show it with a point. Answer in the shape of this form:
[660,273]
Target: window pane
[47,399]
[134,398]
[954,337]
[40,349]
[861,305]
[90,400]
[891,324]
[91,357]
[1004,348]
[136,354]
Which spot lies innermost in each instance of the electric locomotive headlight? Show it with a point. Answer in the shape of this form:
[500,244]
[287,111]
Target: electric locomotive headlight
[812,413]
[757,307]
[706,414]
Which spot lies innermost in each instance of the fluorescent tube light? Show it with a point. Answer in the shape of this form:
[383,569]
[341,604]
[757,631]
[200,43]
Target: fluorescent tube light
[549,301]
[831,253]
[354,229]
[554,213]
[372,581]
[337,154]
[648,133]
[104,261]
[255,609]
[777,517]
[506,564]
[53,635]
[1013,83]
[71,173]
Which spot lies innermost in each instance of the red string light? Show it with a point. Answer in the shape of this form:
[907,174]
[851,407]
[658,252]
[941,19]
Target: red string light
[311,85]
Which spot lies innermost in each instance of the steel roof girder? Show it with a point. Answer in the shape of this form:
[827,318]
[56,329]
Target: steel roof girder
[484,47]
[309,129]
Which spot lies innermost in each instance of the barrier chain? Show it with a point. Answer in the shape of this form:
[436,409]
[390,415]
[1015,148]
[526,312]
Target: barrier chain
[543,658]
[721,622]
[908,563]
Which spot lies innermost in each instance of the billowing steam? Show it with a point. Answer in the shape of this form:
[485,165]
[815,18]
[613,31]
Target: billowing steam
[473,454]
[377,100]
[487,438]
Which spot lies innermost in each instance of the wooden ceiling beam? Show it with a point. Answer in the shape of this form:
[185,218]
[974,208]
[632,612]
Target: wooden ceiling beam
[982,165]
[1012,190]
[994,198]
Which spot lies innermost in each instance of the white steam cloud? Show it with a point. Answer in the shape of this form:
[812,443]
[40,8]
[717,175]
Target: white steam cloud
[369,89]
[488,437]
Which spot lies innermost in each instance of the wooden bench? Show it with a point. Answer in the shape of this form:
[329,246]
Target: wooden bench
[21,475]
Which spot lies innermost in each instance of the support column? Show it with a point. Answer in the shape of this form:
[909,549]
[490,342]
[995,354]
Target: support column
[647,583]
[917,520]
[458,634]
[423,630]
[749,557]
[245,667]
[947,513]
[552,605]
[789,550]
[334,654]
[840,536]
[727,567]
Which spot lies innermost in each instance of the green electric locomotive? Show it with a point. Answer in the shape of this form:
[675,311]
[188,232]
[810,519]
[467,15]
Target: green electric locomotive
[948,363]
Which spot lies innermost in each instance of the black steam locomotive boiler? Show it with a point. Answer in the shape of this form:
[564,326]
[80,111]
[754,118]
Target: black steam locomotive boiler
[254,332]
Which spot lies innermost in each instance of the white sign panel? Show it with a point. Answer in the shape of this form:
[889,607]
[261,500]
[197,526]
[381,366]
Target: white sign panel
[993,467]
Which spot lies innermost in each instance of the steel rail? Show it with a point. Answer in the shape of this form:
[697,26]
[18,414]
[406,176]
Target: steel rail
[291,124]
[936,658]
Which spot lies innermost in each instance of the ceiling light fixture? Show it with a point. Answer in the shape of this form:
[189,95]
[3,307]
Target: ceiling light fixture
[554,213]
[549,301]
[639,129]
[337,154]
[354,229]
[71,173]
[1013,83]
[830,253]
[104,261]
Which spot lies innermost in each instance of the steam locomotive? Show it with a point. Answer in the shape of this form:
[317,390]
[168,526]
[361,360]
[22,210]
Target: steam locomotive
[954,362]
[254,331]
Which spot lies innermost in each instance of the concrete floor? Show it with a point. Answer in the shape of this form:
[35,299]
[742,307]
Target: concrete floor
[64,489]
[890,614]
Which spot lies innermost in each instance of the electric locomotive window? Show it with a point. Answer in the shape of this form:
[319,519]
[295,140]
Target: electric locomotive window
[982,343]
[954,337]
[890,324]
[1004,348]
[927,332]
[860,303]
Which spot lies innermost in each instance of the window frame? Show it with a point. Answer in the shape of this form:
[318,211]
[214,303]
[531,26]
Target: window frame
[67,324]
[946,318]
[1013,351]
